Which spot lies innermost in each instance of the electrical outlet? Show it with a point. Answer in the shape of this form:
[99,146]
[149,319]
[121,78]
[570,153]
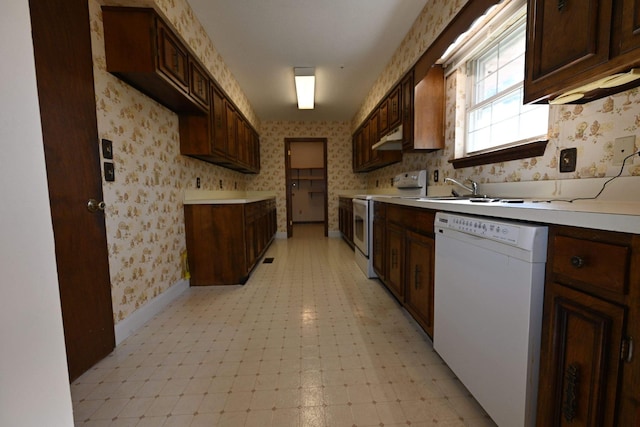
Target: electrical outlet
[568,158]
[198,182]
[623,147]
[377,183]
[436,175]
[221,184]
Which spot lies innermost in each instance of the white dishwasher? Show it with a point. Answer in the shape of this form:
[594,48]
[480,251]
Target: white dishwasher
[489,286]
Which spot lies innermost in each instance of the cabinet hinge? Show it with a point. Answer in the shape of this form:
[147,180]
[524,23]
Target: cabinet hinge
[626,349]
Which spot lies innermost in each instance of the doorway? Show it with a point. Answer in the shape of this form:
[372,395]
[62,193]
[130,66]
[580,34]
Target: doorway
[306,180]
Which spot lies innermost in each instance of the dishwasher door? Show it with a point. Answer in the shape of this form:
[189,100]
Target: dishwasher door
[488,311]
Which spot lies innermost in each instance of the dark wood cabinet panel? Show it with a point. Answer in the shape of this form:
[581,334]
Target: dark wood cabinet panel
[582,337]
[218,123]
[345,219]
[383,117]
[173,58]
[420,260]
[570,44]
[407,112]
[379,250]
[225,242]
[142,51]
[428,121]
[395,266]
[198,84]
[394,107]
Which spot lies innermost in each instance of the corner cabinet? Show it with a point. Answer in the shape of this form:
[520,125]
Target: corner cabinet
[226,241]
[407,267]
[589,375]
[571,43]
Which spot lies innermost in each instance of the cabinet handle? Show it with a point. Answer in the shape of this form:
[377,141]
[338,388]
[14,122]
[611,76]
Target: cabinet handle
[417,277]
[570,395]
[561,5]
[176,64]
[626,353]
[578,262]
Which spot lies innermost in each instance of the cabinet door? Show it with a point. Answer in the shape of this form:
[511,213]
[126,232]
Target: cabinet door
[394,107]
[172,57]
[629,25]
[420,261]
[218,123]
[579,359]
[365,144]
[198,84]
[565,38]
[395,259]
[407,112]
[232,131]
[383,117]
[379,254]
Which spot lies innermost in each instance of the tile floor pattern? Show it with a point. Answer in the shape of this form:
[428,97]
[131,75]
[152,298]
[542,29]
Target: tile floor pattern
[308,341]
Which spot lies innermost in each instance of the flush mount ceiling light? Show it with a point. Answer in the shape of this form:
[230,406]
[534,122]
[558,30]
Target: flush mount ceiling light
[305,87]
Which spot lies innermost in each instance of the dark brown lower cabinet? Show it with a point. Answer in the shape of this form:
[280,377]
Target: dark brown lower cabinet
[589,375]
[379,252]
[345,219]
[225,241]
[409,250]
[420,252]
[395,267]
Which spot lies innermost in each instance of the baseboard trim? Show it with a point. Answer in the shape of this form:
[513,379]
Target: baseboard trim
[138,318]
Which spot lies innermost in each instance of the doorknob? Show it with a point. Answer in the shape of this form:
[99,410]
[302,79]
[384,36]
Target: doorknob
[94,206]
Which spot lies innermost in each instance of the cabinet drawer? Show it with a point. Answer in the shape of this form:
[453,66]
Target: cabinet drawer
[603,265]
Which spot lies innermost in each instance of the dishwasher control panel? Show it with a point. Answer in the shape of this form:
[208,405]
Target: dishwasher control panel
[482,227]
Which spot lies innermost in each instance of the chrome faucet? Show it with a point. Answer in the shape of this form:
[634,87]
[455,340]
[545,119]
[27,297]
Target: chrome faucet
[474,185]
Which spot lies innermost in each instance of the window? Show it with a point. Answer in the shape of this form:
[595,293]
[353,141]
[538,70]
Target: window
[495,115]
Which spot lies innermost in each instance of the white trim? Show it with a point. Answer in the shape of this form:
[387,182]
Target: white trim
[138,318]
[281,235]
[335,233]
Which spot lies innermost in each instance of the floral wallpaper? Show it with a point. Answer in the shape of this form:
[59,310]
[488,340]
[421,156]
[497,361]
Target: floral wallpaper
[340,175]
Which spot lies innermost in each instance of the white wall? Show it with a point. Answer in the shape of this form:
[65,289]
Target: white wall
[34,385]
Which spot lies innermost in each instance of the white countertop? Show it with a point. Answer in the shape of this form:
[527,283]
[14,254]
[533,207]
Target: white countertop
[205,197]
[621,216]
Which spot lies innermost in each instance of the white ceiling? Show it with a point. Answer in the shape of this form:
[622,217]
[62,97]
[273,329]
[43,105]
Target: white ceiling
[349,42]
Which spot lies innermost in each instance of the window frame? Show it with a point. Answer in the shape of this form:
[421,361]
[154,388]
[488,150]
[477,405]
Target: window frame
[503,19]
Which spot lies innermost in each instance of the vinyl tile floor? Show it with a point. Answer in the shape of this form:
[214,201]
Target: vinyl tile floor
[308,341]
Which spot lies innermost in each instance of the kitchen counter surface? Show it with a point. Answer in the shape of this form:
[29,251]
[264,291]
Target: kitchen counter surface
[204,197]
[623,216]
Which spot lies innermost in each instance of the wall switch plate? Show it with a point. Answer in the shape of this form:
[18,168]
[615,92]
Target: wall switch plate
[107,149]
[568,158]
[109,172]
[623,147]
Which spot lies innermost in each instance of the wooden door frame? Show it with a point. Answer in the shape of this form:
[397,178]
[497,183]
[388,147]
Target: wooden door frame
[287,168]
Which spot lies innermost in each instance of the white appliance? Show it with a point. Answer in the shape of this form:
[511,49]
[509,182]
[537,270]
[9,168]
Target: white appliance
[489,286]
[409,184]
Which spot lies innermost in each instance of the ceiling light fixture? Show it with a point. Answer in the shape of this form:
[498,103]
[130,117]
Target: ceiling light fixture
[305,87]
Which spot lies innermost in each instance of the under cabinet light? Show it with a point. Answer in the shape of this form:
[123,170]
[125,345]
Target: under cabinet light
[305,87]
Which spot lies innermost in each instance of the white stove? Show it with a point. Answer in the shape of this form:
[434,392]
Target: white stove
[409,184]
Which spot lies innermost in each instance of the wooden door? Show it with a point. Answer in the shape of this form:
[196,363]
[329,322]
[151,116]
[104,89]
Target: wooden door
[627,34]
[407,112]
[64,71]
[395,268]
[580,359]
[394,107]
[420,253]
[219,123]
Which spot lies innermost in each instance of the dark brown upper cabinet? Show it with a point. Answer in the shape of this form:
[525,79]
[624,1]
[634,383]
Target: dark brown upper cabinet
[142,51]
[571,44]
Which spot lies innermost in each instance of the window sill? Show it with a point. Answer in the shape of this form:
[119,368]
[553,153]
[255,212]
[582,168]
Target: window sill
[532,149]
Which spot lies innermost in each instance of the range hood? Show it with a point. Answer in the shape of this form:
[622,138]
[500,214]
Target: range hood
[391,141]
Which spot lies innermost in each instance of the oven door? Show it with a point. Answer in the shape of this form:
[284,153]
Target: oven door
[361,225]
